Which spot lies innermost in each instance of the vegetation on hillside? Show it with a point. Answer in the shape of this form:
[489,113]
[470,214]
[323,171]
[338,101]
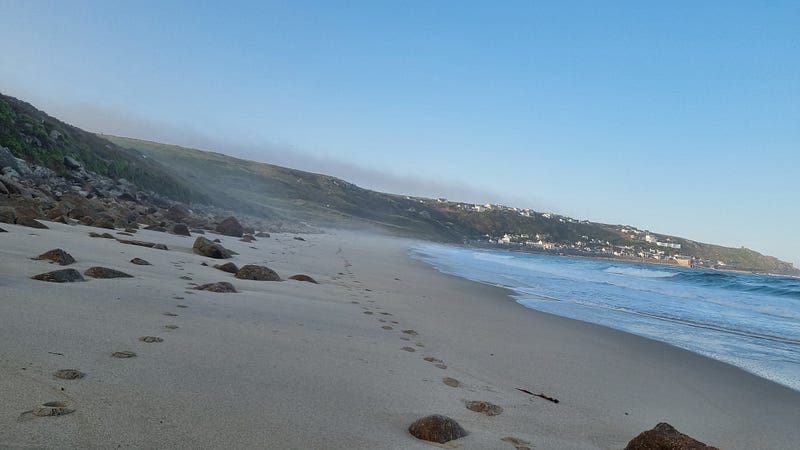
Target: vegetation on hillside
[33,135]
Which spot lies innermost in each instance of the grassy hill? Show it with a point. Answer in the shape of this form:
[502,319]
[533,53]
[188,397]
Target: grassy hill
[33,135]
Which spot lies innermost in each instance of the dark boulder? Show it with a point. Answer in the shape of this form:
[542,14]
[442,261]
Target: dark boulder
[8,214]
[105,272]
[57,256]
[204,247]
[60,276]
[301,277]
[230,227]
[437,428]
[665,437]
[31,222]
[258,273]
[227,267]
[181,229]
[140,262]
[222,287]
[72,163]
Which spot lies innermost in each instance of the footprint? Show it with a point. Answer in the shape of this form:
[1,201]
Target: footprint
[409,349]
[123,354]
[151,339]
[479,406]
[517,442]
[181,306]
[369,312]
[171,327]
[51,409]
[68,374]
[452,382]
[387,327]
[171,314]
[411,332]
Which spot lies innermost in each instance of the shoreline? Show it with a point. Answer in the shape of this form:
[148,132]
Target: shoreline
[340,364]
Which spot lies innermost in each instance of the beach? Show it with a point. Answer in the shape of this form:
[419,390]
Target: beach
[347,363]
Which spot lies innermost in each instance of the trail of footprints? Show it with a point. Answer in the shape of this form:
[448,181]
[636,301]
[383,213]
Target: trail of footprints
[478,406]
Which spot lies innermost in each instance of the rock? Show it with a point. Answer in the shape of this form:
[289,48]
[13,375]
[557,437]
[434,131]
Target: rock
[60,276]
[8,214]
[230,227]
[181,229]
[247,238]
[301,277]
[98,235]
[665,437]
[105,272]
[140,262]
[437,428]
[7,159]
[3,231]
[3,189]
[204,247]
[158,228]
[72,163]
[261,234]
[487,408]
[143,244]
[57,256]
[227,267]
[258,273]
[104,222]
[32,223]
[222,286]
[177,213]
[298,238]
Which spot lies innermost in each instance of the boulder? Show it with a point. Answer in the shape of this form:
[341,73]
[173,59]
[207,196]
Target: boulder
[181,229]
[247,238]
[72,163]
[301,277]
[230,227]
[60,276]
[227,267]
[437,428]
[204,247]
[105,272]
[222,287]
[665,437]
[8,214]
[31,222]
[140,262]
[7,159]
[177,213]
[261,234]
[57,256]
[258,273]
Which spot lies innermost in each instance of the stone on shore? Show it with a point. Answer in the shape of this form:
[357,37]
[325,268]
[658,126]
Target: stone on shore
[230,227]
[221,287]
[665,437]
[57,256]
[105,272]
[437,428]
[258,273]
[204,247]
[60,276]
[227,267]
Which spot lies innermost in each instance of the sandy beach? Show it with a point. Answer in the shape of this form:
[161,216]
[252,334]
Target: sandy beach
[347,363]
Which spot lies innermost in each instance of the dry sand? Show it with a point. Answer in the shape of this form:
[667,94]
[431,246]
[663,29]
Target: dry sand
[290,365]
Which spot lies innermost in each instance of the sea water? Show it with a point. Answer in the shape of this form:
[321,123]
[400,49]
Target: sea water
[747,320]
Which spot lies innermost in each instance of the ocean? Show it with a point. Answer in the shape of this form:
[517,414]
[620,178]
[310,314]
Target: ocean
[747,320]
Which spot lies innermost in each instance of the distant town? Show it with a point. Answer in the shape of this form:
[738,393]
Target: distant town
[630,243]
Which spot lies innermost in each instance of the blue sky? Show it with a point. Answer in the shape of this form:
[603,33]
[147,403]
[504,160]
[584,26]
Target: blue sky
[679,117]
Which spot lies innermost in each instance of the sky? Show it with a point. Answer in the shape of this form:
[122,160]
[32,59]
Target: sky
[682,118]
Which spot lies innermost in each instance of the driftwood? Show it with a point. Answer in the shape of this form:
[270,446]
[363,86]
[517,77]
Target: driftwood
[554,400]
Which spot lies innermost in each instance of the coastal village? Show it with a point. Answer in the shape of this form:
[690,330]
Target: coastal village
[630,244]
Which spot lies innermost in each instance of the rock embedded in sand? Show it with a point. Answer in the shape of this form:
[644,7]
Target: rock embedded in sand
[490,409]
[301,277]
[105,272]
[68,374]
[143,244]
[204,247]
[258,273]
[227,267]
[665,436]
[60,276]
[140,262]
[31,223]
[230,227]
[181,230]
[222,287]
[57,256]
[437,428]
[98,235]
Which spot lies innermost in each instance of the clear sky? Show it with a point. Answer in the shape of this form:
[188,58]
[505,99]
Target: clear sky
[678,117]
